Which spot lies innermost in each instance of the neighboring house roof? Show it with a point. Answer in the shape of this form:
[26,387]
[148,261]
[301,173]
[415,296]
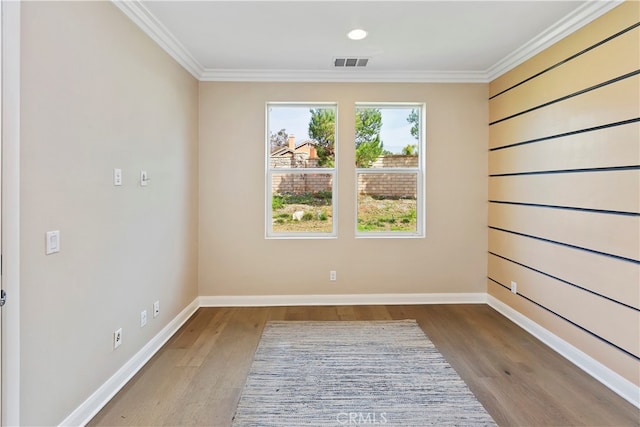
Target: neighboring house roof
[281,151]
[285,150]
[307,142]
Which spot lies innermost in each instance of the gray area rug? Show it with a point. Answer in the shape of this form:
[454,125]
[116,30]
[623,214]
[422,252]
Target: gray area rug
[353,373]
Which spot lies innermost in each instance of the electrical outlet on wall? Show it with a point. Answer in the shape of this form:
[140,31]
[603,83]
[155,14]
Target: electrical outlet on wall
[143,318]
[514,287]
[333,275]
[117,176]
[117,338]
[156,308]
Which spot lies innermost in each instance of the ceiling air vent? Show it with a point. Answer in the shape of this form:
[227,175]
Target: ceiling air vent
[350,62]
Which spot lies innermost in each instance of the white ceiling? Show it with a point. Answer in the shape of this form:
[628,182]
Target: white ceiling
[408,40]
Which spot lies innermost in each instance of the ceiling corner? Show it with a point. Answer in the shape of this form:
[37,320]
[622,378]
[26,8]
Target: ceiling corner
[140,15]
[580,17]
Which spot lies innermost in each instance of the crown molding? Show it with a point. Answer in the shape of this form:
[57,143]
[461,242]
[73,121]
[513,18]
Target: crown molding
[148,23]
[575,20]
[355,76]
[570,23]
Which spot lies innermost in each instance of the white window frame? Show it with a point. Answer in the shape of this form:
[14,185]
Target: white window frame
[269,172]
[420,173]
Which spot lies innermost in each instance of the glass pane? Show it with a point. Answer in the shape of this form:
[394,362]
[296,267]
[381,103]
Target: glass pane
[387,202]
[387,137]
[302,202]
[301,136]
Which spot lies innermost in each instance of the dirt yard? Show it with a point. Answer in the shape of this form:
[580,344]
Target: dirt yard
[374,213]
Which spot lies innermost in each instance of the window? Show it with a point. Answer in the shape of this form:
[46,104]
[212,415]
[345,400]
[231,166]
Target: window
[300,170]
[389,148]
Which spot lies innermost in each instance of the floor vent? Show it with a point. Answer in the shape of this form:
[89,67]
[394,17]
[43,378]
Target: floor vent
[350,62]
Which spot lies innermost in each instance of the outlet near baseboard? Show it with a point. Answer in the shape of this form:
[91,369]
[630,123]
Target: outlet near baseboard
[117,338]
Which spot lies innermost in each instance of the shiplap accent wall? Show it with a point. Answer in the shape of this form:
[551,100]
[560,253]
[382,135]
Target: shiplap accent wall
[564,189]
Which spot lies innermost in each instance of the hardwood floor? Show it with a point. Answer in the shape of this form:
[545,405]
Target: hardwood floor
[197,377]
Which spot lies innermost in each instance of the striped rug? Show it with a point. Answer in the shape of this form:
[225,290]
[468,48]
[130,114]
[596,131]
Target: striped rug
[353,373]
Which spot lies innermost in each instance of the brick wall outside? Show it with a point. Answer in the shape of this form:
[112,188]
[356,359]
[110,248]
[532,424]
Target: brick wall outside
[387,184]
[396,161]
[294,183]
[391,185]
[297,161]
[380,184]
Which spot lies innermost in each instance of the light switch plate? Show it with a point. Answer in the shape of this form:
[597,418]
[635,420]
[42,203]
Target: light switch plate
[52,242]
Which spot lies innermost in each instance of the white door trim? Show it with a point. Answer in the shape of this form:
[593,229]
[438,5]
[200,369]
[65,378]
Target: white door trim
[11,211]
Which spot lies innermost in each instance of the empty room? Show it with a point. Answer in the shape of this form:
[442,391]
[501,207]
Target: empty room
[320,213]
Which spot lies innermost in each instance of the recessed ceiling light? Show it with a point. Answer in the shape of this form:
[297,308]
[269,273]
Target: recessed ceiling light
[357,34]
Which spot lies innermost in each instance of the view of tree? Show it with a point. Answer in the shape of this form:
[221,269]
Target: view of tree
[415,123]
[322,129]
[368,142]
[369,146]
[410,150]
[278,139]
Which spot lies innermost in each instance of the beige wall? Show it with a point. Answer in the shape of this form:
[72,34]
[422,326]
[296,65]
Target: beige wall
[98,94]
[236,259]
[577,270]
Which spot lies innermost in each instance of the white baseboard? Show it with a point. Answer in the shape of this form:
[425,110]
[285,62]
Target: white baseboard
[90,407]
[339,299]
[620,385]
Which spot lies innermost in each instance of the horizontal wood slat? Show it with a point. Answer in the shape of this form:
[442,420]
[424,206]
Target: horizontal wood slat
[611,277]
[615,359]
[615,235]
[607,25]
[610,190]
[609,147]
[564,188]
[582,72]
[623,323]
[612,103]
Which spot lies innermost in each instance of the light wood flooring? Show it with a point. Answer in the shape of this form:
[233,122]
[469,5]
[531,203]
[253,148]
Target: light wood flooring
[197,377]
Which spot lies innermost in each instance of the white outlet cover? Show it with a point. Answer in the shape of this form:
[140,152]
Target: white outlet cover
[117,338]
[156,308]
[117,177]
[514,287]
[143,318]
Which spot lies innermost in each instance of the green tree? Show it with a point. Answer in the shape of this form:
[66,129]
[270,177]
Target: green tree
[369,146]
[410,150]
[415,123]
[322,129]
